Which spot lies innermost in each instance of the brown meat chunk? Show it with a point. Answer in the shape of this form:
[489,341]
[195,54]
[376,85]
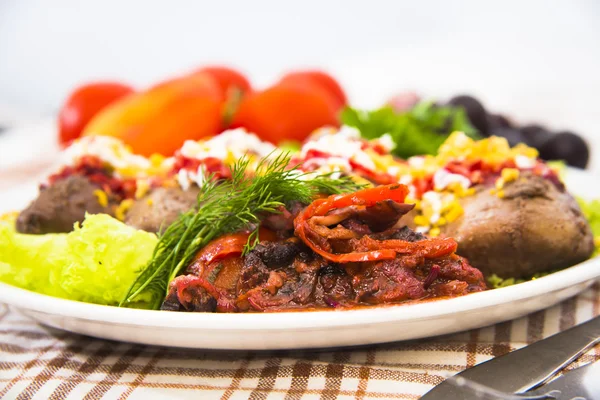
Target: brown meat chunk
[535,227]
[160,208]
[279,276]
[60,206]
[186,294]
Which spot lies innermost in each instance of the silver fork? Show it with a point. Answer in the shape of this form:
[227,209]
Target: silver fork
[579,384]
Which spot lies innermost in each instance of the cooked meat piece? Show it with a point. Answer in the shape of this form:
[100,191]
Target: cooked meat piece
[186,293]
[335,286]
[287,275]
[535,227]
[403,233]
[277,254]
[59,206]
[384,214]
[160,208]
[276,276]
[388,281]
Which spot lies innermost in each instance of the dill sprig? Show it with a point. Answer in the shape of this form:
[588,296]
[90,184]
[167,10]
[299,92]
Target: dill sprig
[226,207]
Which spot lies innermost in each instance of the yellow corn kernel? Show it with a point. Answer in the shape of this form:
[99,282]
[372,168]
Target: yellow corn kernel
[499,183]
[421,220]
[128,171]
[142,187]
[381,162]
[156,159]
[510,174]
[150,202]
[417,203]
[427,212]
[123,208]
[454,213]
[360,180]
[102,197]
[442,221]
[500,194]
[434,232]
[10,217]
[457,189]
[449,202]
[524,150]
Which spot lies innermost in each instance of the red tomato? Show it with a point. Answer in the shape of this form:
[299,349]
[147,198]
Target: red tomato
[286,112]
[160,119]
[83,104]
[227,78]
[321,79]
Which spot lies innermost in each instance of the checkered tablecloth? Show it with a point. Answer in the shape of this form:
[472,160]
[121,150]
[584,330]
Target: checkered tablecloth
[43,363]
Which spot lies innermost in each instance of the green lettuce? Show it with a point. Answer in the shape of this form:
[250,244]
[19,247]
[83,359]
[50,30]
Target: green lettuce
[95,263]
[496,282]
[419,131]
[591,211]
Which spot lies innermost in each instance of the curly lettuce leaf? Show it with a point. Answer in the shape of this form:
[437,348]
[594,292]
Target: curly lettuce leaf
[96,263]
[496,282]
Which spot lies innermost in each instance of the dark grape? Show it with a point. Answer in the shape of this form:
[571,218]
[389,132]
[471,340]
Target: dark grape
[496,121]
[514,136]
[566,146]
[535,135]
[475,112]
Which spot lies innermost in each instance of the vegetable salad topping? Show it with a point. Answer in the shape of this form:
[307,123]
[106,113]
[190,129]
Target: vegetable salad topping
[197,160]
[113,152]
[329,150]
[436,183]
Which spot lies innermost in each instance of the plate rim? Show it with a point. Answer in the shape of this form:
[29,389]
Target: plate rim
[24,299]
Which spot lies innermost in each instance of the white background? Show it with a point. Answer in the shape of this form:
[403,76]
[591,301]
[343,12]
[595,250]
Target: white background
[537,60]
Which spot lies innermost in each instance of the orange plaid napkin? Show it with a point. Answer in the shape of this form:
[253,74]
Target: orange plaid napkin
[43,363]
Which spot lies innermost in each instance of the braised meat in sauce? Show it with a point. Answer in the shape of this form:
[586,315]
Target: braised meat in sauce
[341,252]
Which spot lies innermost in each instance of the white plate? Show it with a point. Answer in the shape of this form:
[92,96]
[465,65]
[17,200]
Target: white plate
[312,329]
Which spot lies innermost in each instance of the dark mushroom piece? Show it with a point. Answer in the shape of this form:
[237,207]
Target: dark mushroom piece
[161,207]
[59,206]
[535,227]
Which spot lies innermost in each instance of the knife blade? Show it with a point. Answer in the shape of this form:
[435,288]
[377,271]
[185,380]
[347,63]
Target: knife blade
[582,382]
[526,368]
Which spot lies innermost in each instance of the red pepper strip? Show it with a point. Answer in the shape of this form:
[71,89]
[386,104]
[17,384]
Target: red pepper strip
[429,248]
[221,247]
[365,197]
[378,250]
[387,249]
[225,246]
[195,281]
